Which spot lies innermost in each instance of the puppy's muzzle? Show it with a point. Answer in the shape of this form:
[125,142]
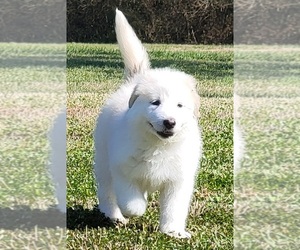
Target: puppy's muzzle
[167,132]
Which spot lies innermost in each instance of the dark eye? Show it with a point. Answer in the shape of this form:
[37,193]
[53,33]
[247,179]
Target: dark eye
[179,105]
[156,102]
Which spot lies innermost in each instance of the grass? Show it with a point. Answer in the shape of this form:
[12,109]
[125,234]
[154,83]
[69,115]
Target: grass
[31,92]
[267,188]
[93,73]
[266,193]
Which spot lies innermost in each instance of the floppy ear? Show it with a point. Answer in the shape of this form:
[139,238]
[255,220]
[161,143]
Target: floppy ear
[133,97]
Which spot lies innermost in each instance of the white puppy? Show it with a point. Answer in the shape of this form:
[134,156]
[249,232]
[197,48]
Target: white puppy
[147,139]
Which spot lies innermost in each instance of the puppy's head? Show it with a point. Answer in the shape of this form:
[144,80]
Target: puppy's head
[164,102]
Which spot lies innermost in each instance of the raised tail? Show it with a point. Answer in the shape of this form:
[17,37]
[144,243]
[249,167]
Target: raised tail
[134,54]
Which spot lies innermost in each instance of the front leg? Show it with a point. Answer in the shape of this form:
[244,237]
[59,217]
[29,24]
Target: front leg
[131,200]
[174,206]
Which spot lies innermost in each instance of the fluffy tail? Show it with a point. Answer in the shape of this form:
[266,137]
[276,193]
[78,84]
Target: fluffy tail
[133,52]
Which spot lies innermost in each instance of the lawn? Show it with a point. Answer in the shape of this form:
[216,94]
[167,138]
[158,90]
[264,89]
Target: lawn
[267,200]
[266,194]
[32,91]
[93,73]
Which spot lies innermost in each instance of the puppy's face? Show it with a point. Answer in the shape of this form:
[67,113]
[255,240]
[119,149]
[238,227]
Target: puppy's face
[164,102]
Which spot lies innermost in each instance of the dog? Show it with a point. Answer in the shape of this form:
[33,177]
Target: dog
[147,138]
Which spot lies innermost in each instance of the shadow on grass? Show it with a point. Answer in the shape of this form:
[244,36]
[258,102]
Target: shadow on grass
[24,217]
[81,218]
[99,62]
[209,70]
[206,69]
[34,61]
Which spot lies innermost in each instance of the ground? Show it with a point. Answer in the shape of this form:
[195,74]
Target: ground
[94,72]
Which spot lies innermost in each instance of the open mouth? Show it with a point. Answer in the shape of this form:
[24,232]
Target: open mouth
[163,134]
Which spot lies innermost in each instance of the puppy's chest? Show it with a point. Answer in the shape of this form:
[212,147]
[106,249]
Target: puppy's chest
[155,166]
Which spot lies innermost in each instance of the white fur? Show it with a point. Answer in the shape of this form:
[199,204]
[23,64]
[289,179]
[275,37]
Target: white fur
[131,159]
[238,139]
[58,159]
[134,54]
[238,143]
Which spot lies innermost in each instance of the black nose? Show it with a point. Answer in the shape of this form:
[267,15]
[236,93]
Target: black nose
[169,123]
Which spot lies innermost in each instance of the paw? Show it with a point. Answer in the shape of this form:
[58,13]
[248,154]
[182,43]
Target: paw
[113,213]
[119,220]
[179,234]
[134,208]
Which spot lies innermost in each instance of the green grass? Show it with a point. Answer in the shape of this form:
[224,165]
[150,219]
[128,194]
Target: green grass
[93,73]
[267,188]
[32,90]
[266,211]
